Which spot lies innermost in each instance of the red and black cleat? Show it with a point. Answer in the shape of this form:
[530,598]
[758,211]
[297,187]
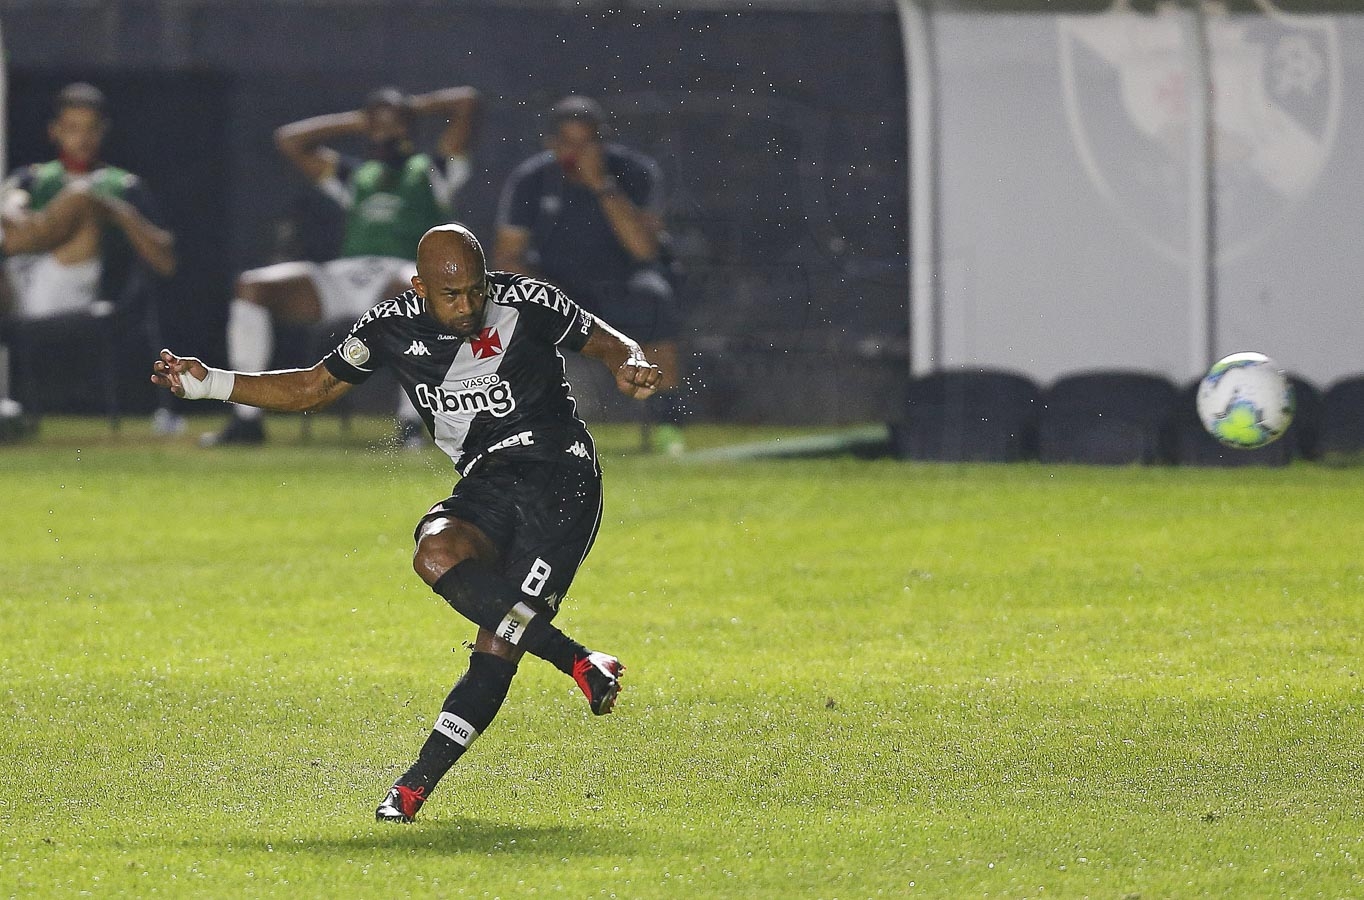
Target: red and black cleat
[598,674]
[401,804]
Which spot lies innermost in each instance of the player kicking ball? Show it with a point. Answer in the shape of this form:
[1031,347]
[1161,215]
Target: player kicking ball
[478,353]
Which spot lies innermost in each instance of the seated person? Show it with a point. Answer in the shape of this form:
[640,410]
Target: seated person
[586,214]
[390,200]
[71,227]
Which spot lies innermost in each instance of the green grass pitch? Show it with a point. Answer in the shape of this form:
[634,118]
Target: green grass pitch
[846,679]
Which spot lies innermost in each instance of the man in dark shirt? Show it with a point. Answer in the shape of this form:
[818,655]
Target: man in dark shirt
[586,215]
[478,354]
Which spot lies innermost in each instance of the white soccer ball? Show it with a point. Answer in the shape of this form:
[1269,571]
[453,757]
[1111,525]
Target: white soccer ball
[1245,401]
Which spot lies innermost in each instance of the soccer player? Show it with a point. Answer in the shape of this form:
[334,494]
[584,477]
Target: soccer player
[478,353]
[586,214]
[390,200]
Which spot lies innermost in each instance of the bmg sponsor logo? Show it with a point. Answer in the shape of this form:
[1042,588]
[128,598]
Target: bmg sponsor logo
[491,396]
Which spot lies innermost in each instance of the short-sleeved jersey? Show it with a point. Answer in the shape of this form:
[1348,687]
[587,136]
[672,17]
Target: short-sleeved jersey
[389,207]
[43,181]
[501,392]
[572,243]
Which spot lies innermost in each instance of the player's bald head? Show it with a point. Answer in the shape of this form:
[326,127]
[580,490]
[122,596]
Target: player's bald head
[450,250]
[452,277]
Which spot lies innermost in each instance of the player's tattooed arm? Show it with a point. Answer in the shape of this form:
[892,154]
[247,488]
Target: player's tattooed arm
[285,390]
[635,376]
[290,390]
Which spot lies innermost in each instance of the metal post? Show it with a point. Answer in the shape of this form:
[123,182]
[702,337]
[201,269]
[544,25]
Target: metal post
[4,109]
[925,292]
[1202,225]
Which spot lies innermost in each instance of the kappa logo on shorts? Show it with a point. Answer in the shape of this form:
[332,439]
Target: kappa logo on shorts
[579,450]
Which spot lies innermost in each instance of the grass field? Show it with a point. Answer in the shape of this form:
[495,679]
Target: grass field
[846,679]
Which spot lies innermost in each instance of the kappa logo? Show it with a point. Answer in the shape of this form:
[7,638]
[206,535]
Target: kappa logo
[417,349]
[579,450]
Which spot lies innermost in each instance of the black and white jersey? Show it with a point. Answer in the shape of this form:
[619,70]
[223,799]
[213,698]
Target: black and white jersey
[502,391]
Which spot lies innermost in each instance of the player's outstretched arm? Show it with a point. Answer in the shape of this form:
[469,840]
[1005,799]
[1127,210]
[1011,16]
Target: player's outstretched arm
[635,376]
[286,390]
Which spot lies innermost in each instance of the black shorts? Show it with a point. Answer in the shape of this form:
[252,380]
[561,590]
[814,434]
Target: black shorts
[541,516]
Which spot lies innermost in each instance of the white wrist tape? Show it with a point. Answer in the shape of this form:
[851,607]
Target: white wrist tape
[216,385]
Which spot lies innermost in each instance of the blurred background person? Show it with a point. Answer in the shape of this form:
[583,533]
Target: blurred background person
[586,214]
[390,198]
[80,238]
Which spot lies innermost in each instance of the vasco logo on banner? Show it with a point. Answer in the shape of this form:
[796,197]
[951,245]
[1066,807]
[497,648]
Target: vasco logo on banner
[1276,108]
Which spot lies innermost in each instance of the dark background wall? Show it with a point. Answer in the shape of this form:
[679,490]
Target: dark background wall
[781,134]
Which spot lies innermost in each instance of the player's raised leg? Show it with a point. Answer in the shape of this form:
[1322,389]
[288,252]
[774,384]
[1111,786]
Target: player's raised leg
[458,561]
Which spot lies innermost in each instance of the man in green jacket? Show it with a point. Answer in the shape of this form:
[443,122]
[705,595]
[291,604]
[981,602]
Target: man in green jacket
[390,199]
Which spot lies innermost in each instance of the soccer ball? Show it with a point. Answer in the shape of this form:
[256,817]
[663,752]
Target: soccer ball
[1245,401]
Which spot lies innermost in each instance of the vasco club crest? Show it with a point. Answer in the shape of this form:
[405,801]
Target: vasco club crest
[1276,107]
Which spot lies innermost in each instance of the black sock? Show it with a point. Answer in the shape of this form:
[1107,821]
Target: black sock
[478,593]
[546,641]
[468,711]
[490,601]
